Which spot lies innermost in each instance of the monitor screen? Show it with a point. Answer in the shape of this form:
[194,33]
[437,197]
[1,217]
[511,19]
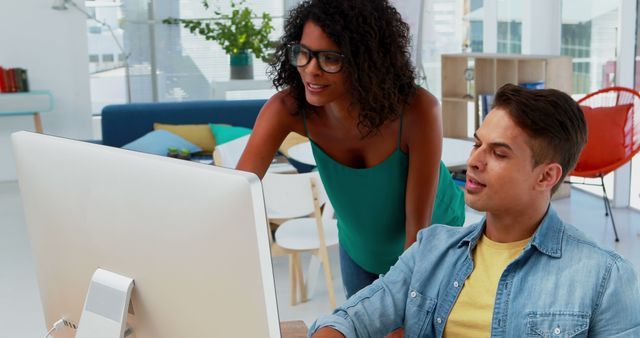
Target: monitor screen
[193,237]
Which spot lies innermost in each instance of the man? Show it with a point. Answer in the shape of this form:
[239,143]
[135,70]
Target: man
[521,271]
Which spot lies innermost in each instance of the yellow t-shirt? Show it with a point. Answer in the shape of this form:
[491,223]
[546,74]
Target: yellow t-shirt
[472,313]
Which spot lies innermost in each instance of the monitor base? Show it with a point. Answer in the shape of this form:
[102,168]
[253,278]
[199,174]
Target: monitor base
[106,306]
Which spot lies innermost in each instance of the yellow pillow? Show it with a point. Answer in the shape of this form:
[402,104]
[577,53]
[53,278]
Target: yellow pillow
[291,140]
[198,134]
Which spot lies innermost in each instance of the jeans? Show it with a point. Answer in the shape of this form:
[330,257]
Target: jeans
[354,277]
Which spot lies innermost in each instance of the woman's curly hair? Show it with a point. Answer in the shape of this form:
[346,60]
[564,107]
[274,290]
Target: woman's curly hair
[375,42]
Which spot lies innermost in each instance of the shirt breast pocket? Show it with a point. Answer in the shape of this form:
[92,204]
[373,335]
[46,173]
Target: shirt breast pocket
[559,324]
[418,314]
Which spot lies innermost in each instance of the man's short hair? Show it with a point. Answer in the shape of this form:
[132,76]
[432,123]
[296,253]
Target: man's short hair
[552,119]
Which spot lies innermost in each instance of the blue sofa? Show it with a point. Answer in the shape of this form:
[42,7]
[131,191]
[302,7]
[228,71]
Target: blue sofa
[124,123]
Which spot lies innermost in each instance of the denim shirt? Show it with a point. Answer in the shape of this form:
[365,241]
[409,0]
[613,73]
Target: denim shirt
[561,285]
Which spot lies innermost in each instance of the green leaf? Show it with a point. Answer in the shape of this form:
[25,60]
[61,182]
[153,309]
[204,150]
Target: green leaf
[234,32]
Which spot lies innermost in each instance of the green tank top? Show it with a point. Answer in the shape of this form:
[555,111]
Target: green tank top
[369,205]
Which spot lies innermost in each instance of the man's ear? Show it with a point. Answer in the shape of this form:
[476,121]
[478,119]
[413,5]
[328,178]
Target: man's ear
[550,174]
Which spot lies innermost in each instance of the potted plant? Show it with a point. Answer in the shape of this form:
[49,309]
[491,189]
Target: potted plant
[236,33]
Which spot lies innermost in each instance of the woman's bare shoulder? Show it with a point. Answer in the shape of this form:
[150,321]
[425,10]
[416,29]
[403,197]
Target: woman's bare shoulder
[423,109]
[423,99]
[281,110]
[280,107]
[281,102]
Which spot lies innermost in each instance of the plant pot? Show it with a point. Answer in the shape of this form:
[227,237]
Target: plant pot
[241,65]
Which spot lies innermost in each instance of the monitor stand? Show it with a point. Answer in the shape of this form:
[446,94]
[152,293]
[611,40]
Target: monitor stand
[105,308]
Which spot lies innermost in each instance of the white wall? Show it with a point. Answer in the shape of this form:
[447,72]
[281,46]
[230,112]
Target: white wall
[542,27]
[490,26]
[52,46]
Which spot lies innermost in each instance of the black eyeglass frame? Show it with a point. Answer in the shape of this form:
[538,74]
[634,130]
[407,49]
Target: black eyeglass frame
[314,54]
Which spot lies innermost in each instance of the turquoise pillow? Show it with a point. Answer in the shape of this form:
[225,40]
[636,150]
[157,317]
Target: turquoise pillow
[224,133]
[159,141]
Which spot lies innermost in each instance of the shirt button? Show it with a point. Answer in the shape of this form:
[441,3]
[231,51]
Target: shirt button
[439,320]
[413,294]
[455,284]
[556,331]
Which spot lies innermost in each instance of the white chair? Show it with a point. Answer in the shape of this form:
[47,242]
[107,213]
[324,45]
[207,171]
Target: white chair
[300,195]
[228,154]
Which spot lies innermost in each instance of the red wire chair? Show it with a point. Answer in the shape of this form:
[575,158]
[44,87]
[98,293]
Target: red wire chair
[629,136]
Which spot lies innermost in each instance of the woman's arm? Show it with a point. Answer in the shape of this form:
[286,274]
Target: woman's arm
[423,135]
[273,124]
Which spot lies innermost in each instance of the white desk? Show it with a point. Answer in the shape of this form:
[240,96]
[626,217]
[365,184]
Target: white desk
[455,152]
[27,103]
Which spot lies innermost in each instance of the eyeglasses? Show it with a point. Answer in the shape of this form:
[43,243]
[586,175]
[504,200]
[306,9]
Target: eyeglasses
[329,61]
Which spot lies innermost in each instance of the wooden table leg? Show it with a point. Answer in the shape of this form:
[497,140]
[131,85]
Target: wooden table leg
[38,122]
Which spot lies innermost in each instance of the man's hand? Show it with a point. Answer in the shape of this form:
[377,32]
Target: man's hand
[328,332]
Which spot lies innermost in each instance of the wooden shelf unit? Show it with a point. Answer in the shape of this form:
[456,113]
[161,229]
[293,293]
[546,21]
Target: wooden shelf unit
[491,71]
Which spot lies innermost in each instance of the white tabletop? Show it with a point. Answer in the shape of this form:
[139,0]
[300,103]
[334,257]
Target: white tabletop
[454,152]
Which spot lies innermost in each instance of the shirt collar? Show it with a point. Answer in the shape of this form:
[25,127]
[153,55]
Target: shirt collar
[547,238]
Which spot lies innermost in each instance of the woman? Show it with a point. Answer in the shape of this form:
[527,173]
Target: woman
[348,84]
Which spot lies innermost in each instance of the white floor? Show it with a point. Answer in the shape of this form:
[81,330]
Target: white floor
[21,311]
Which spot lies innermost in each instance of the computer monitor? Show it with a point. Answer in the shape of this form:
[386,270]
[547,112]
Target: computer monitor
[194,237]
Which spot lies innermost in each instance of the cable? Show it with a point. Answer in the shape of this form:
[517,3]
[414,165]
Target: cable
[56,326]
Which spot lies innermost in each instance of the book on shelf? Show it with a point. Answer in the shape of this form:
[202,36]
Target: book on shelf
[17,74]
[486,101]
[22,84]
[13,80]
[2,80]
[532,85]
[25,80]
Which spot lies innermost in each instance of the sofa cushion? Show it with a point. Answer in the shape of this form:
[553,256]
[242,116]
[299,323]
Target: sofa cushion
[224,133]
[198,134]
[159,141]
